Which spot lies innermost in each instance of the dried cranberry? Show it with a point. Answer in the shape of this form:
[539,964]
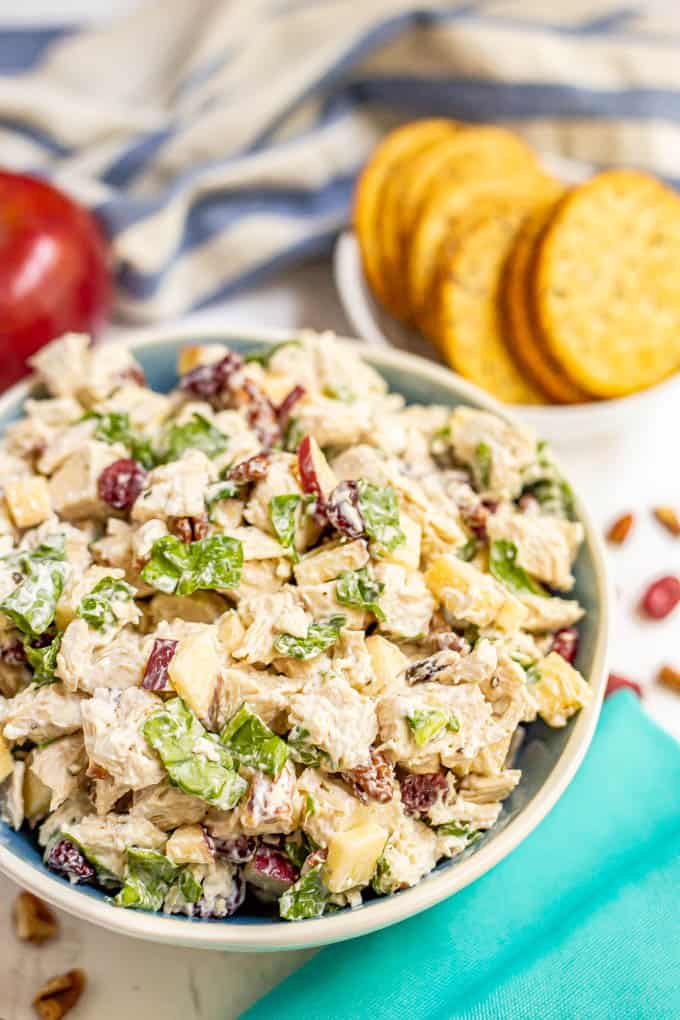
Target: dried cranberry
[252,470]
[14,654]
[419,791]
[375,780]
[207,381]
[616,683]
[260,413]
[120,483]
[661,597]
[273,864]
[342,510]
[288,403]
[238,849]
[67,859]
[156,673]
[565,643]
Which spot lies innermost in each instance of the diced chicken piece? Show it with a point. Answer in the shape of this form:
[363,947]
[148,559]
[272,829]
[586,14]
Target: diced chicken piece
[59,765]
[320,600]
[143,538]
[327,807]
[353,856]
[188,845]
[339,720]
[320,362]
[79,585]
[411,852]
[70,812]
[64,442]
[54,412]
[329,560]
[352,659]
[107,367]
[73,488]
[146,409]
[471,596]
[270,803]
[561,690]
[257,545]
[261,577]
[389,662]
[268,694]
[201,607]
[546,546]
[264,618]
[87,659]
[105,839]
[195,672]
[331,422]
[62,364]
[176,489]
[453,667]
[511,449]
[406,602]
[545,614]
[434,723]
[281,479]
[112,729]
[39,714]
[28,500]
[489,789]
[467,813]
[114,548]
[12,797]
[407,553]
[511,700]
[27,438]
[167,806]
[223,890]
[230,631]
[76,541]
[362,461]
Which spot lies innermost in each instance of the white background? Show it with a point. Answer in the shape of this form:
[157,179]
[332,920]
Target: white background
[635,470]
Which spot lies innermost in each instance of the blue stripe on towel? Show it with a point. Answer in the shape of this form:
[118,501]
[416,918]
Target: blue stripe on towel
[22,48]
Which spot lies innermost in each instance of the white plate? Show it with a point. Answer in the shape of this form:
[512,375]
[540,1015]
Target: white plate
[560,424]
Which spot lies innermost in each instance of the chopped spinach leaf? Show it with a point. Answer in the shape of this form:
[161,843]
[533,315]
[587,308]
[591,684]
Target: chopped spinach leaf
[320,636]
[96,608]
[263,357]
[195,760]
[503,566]
[282,514]
[357,589]
[196,434]
[43,661]
[184,567]
[306,898]
[380,512]
[33,603]
[482,465]
[252,743]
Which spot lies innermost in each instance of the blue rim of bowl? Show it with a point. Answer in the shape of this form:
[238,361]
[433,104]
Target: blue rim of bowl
[438,885]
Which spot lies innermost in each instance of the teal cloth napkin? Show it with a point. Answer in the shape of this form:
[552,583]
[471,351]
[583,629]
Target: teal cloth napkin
[581,922]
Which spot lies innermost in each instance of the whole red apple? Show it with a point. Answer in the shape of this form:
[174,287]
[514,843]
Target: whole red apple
[54,271]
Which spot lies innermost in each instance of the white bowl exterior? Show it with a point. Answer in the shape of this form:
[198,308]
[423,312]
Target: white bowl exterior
[387,910]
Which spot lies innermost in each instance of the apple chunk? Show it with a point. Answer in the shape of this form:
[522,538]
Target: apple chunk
[316,476]
[194,671]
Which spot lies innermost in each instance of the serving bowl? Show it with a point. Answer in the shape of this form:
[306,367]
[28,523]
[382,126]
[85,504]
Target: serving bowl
[549,758]
[561,424]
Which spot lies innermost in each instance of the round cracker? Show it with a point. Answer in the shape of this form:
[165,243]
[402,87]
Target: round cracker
[438,226]
[473,154]
[522,332]
[399,144]
[605,283]
[472,333]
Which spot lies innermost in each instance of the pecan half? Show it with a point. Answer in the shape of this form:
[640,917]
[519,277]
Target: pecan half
[670,678]
[667,516]
[374,781]
[59,995]
[619,531]
[33,920]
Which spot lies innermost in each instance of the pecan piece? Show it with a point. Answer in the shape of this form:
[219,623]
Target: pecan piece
[667,516]
[619,531]
[33,920]
[59,995]
[374,781]
[189,529]
[670,678]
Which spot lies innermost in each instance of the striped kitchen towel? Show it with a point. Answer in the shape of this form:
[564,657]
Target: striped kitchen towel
[219,139]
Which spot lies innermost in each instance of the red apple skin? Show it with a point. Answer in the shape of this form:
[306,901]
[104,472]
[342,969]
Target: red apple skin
[54,271]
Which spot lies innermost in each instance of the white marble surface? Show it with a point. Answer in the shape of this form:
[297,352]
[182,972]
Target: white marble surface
[636,470]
